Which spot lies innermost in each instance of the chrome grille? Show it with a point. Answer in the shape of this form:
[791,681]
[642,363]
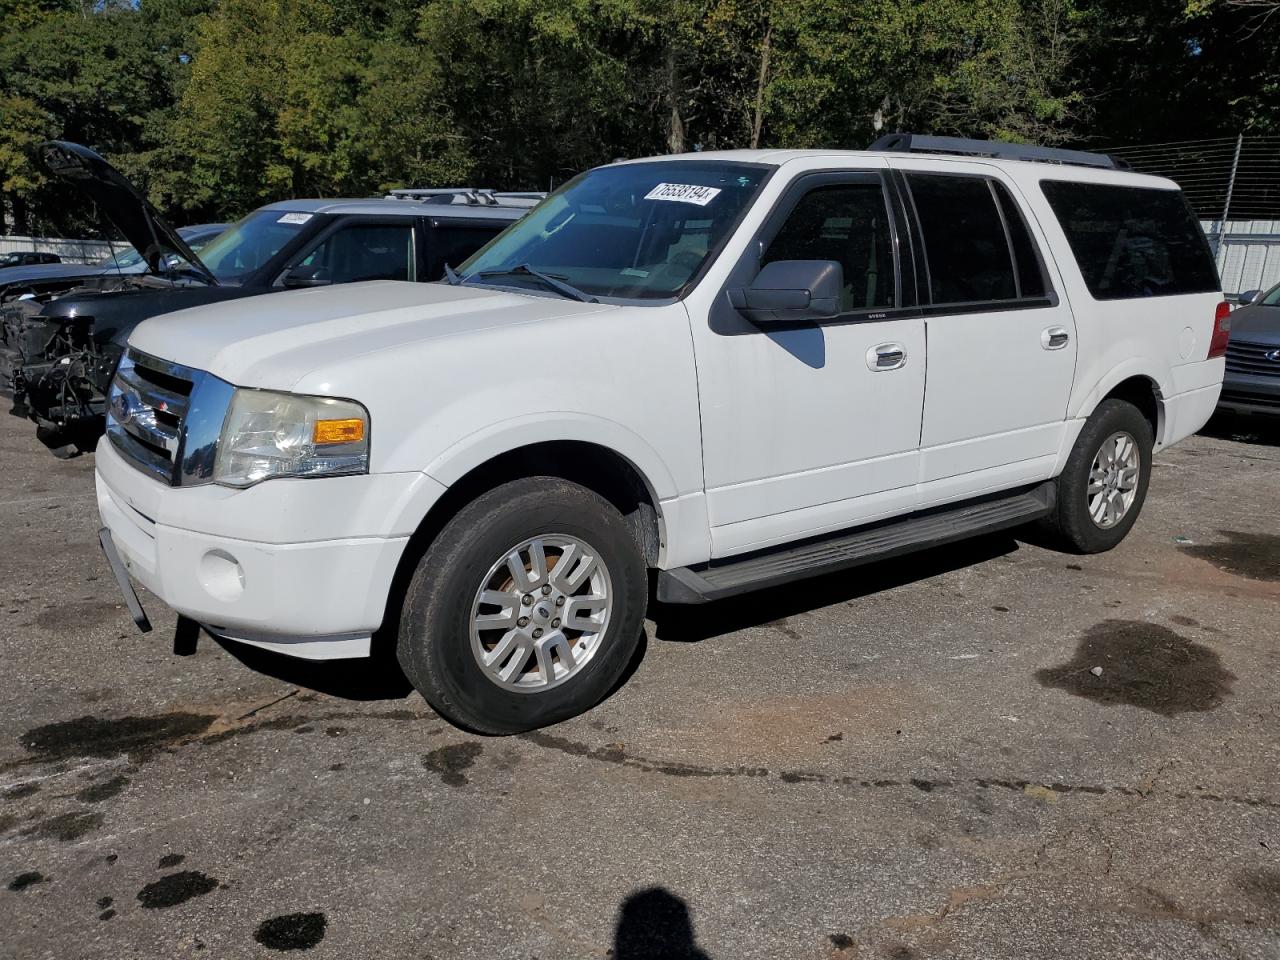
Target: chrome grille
[1252,358]
[165,418]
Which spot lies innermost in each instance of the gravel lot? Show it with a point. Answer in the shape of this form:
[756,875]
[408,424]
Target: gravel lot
[910,761]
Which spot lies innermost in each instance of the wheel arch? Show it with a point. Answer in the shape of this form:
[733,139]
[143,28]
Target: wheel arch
[1134,383]
[597,467]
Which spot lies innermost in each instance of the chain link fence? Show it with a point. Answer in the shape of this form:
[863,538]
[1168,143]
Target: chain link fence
[1233,184]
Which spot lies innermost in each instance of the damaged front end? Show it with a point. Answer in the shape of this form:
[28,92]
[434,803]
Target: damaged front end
[60,343]
[58,373]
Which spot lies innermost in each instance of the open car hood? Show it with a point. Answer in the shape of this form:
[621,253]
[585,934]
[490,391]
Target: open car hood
[122,204]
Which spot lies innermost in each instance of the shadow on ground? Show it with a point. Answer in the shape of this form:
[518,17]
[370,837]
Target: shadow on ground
[655,924]
[378,677]
[1255,429]
[693,623]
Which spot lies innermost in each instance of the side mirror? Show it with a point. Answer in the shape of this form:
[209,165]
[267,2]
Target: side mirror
[305,276]
[1248,297]
[790,291]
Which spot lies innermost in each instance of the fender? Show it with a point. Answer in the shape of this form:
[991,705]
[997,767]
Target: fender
[504,436]
[1133,367]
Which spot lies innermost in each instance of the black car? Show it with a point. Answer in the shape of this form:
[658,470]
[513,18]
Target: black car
[49,278]
[1252,383]
[59,350]
[27,258]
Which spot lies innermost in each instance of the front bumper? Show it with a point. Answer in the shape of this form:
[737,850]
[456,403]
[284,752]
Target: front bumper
[319,593]
[1251,393]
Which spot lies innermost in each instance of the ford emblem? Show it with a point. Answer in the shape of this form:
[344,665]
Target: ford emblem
[122,408]
[1273,356]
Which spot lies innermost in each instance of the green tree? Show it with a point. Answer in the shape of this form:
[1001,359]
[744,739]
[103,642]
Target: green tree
[99,74]
[293,98]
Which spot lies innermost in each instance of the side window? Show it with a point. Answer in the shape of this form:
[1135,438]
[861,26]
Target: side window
[847,223]
[364,251]
[1026,257]
[1132,241]
[453,243]
[964,239]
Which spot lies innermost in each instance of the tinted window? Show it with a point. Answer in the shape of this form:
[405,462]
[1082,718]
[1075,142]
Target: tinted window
[846,223]
[633,230]
[453,243]
[1133,241]
[364,251]
[964,239]
[1026,257]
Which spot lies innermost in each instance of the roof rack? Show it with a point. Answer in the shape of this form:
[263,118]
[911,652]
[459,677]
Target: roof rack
[471,196]
[915,143]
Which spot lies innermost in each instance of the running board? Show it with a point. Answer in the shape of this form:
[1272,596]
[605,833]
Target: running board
[919,531]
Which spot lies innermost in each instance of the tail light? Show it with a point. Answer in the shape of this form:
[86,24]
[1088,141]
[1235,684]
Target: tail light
[1221,330]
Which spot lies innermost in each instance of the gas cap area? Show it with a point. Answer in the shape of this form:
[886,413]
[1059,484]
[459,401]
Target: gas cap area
[1186,342]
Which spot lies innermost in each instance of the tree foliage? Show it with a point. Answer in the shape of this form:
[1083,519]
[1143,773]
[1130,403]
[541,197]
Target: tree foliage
[216,106]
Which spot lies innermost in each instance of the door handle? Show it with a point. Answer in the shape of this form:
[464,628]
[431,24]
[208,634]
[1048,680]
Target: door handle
[887,356]
[1055,338]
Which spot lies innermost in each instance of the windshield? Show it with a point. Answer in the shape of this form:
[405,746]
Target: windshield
[634,231]
[1271,298]
[131,257]
[248,245]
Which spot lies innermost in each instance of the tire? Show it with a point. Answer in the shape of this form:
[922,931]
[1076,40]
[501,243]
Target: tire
[1072,524]
[569,667]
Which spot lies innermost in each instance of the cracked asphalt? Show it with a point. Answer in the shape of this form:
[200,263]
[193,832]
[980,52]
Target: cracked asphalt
[916,760]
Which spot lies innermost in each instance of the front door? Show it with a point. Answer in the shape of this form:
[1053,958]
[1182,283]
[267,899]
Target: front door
[355,249]
[812,427]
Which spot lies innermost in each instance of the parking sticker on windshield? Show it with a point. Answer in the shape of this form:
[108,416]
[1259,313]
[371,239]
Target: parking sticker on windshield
[683,193]
[294,218]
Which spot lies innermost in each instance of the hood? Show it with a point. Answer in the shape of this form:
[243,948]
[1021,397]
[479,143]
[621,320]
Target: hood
[121,203]
[1256,324]
[274,340]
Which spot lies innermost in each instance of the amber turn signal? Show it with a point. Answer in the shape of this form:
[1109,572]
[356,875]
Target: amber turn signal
[338,431]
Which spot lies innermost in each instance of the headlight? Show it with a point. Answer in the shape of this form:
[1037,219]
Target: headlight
[268,434]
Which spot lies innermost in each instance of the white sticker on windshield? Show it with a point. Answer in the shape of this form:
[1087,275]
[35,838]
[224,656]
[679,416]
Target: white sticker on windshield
[683,193]
[294,218]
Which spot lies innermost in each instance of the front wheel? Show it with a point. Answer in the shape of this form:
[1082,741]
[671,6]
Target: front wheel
[1104,484]
[526,609]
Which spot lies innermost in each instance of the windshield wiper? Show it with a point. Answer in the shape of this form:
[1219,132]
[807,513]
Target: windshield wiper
[524,270]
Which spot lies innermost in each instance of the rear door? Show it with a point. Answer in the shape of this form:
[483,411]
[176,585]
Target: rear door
[1002,343]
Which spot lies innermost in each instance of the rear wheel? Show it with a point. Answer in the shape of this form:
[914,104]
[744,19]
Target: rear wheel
[526,608]
[1104,484]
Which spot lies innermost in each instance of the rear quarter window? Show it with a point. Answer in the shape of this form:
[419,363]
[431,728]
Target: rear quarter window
[1133,242]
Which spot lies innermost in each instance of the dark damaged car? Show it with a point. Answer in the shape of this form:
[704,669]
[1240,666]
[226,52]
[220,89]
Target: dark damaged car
[59,349]
[52,277]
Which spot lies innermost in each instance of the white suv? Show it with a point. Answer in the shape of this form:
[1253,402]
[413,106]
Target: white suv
[736,369]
